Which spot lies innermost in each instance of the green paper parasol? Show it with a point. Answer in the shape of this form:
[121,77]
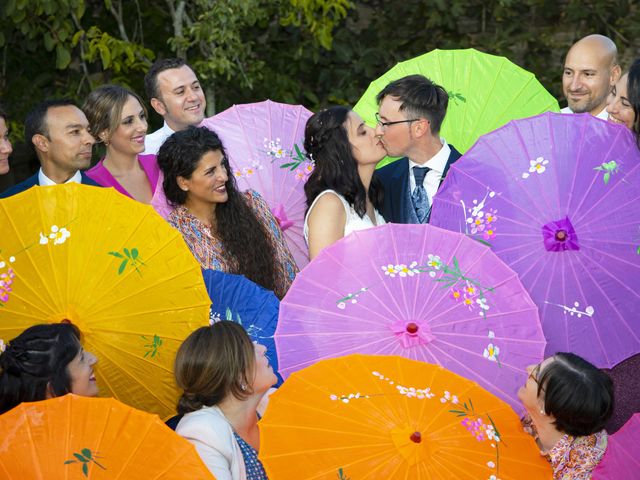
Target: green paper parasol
[485,92]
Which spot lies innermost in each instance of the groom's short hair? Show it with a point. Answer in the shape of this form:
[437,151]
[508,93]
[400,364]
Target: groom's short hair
[420,97]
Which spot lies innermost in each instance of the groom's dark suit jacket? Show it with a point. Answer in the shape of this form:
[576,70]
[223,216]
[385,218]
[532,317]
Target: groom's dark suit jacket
[397,196]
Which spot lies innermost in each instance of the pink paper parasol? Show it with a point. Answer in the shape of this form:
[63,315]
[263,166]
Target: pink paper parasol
[556,198]
[416,291]
[622,457]
[264,143]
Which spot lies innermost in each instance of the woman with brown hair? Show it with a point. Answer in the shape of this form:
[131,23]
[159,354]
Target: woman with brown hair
[224,378]
[118,118]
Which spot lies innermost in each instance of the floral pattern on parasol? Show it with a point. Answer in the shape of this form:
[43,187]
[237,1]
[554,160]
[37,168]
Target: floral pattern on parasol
[416,291]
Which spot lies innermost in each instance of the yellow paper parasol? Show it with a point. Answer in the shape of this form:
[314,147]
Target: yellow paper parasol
[373,417]
[114,268]
[74,437]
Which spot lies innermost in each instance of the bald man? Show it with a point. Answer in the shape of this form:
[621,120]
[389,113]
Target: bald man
[590,71]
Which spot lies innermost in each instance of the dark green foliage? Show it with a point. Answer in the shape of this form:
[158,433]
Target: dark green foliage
[314,52]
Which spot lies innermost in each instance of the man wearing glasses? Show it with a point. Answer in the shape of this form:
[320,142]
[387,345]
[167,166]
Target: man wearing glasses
[410,113]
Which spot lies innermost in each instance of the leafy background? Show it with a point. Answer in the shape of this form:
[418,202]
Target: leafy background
[311,52]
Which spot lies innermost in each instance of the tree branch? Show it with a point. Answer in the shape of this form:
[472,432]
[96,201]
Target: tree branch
[117,14]
[83,64]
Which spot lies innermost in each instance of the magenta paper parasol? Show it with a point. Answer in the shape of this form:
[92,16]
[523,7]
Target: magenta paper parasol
[264,142]
[622,457]
[416,291]
[556,197]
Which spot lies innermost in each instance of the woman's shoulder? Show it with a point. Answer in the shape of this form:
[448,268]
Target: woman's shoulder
[178,215]
[255,199]
[260,207]
[97,171]
[208,422]
[331,199]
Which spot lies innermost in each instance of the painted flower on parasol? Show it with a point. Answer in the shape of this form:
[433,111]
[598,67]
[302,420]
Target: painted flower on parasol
[416,291]
[559,194]
[81,437]
[238,299]
[368,416]
[485,92]
[264,142]
[114,268]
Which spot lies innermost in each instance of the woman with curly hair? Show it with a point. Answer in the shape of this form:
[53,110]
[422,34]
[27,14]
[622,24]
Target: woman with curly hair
[45,361]
[342,195]
[225,229]
[624,101]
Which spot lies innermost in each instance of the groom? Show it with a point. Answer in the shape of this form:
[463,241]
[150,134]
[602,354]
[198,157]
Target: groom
[410,113]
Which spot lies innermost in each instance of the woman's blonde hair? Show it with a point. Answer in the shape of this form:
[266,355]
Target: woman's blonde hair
[103,108]
[212,363]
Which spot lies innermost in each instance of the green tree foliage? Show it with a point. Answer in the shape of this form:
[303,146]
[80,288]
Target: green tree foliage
[314,52]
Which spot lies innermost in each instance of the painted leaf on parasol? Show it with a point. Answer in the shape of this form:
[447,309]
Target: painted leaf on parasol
[556,198]
[114,268]
[485,92]
[238,299]
[622,457]
[264,143]
[372,417]
[98,438]
[417,291]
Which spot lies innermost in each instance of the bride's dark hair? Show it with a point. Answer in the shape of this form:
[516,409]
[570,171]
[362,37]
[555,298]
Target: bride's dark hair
[327,143]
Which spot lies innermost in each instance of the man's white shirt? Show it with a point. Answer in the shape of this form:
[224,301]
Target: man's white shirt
[604,115]
[45,181]
[154,141]
[437,163]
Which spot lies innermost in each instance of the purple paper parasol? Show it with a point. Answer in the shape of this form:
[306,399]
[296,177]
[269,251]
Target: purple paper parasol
[622,457]
[556,198]
[417,291]
[264,142]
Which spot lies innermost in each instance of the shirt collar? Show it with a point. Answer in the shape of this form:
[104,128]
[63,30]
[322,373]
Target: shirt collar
[45,181]
[604,115]
[438,162]
[166,129]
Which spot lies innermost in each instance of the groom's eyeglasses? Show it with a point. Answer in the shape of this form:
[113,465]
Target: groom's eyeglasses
[388,124]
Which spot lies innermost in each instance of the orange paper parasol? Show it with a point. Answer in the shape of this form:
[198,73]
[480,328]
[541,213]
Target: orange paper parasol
[74,437]
[374,417]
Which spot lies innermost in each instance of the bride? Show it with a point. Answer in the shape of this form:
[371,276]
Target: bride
[342,195]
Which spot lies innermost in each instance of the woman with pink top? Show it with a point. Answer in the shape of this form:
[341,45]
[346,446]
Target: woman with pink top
[118,118]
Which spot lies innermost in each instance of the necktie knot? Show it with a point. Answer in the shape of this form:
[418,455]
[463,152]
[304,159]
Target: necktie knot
[419,173]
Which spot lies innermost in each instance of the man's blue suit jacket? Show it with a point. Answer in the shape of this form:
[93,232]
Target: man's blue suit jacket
[33,180]
[395,180]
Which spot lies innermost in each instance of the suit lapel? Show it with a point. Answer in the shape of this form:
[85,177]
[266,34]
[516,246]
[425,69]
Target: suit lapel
[399,189]
[453,157]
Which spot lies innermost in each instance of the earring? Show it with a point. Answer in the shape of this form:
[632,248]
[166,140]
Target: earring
[243,387]
[542,411]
